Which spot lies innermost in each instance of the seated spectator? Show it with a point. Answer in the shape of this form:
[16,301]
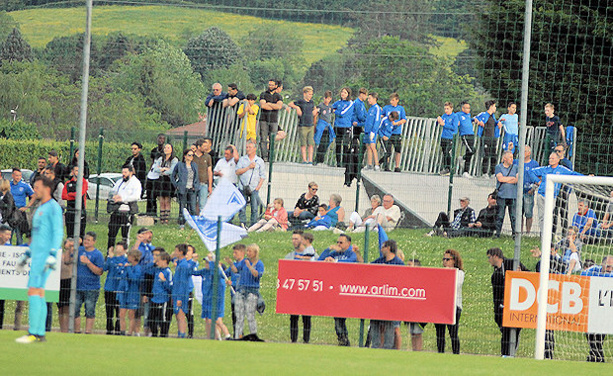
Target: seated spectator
[356,221]
[275,218]
[486,220]
[322,221]
[306,207]
[387,215]
[462,217]
[570,250]
[607,220]
[335,211]
[587,223]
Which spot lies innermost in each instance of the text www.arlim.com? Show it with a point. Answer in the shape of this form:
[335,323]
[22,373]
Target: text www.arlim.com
[383,291]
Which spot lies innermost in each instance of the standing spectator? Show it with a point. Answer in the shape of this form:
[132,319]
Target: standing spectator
[56,186]
[137,161]
[359,114]
[89,270]
[555,129]
[488,133]
[252,173]
[249,125]
[113,266]
[187,183]
[207,144]
[164,166]
[204,165]
[70,194]
[467,135]
[226,166]
[41,163]
[59,167]
[449,122]
[381,327]
[501,265]
[342,251]
[153,177]
[129,293]
[510,122]
[530,188]
[20,190]
[305,109]
[485,225]
[506,175]
[324,132]
[270,102]
[343,114]
[373,119]
[385,130]
[7,204]
[595,340]
[125,195]
[75,162]
[275,218]
[215,118]
[234,96]
[250,270]
[231,104]
[452,259]
[216,95]
[63,305]
[306,206]
[161,303]
[396,137]
[462,218]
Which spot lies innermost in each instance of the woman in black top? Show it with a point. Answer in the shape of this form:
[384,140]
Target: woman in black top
[306,207]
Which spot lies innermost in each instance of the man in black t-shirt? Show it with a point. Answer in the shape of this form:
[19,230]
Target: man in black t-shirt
[270,102]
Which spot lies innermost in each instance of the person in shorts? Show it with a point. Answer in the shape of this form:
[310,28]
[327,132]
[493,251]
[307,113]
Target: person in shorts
[305,108]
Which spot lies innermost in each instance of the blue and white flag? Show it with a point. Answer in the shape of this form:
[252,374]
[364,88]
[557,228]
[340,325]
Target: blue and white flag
[225,201]
[382,237]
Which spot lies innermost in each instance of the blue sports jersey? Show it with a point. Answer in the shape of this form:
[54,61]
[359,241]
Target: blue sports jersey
[394,261]
[111,266]
[484,117]
[529,179]
[465,123]
[20,192]
[385,128]
[343,113]
[359,113]
[339,256]
[47,234]
[207,291]
[581,220]
[450,127]
[161,289]
[86,279]
[182,281]
[510,124]
[396,129]
[234,277]
[373,118]
[542,172]
[596,271]
[247,279]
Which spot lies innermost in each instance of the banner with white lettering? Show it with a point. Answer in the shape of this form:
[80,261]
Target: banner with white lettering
[13,284]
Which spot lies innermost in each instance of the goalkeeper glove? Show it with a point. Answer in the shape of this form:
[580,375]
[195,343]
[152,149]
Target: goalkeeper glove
[51,263]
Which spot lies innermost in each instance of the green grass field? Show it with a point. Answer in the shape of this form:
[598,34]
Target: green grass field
[40,26]
[71,354]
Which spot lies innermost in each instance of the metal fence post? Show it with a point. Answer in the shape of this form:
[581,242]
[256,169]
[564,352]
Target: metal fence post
[271,158]
[99,171]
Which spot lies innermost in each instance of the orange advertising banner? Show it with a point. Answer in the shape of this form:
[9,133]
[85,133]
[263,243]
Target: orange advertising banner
[567,301]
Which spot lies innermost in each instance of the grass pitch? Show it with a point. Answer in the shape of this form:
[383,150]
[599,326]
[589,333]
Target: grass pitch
[69,354]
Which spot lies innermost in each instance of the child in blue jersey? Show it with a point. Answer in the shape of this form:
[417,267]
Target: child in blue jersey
[322,221]
[89,269]
[129,292]
[449,122]
[467,135]
[343,114]
[324,132]
[385,131]
[396,137]
[238,253]
[250,270]
[510,122]
[182,285]
[359,113]
[116,257]
[161,304]
[489,132]
[373,119]
[47,234]
[207,274]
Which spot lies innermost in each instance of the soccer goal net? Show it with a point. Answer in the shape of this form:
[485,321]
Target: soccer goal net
[577,266]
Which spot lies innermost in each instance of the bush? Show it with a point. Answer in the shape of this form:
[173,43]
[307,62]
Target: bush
[19,130]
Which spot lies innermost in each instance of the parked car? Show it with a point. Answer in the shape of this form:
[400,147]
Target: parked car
[25,174]
[106,181]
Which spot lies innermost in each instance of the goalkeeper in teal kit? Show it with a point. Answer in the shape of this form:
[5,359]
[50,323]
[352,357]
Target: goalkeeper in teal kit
[47,235]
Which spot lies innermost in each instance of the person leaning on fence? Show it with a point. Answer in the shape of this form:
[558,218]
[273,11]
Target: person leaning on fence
[324,132]
[452,259]
[250,270]
[123,204]
[467,135]
[305,109]
[595,340]
[275,218]
[187,183]
[510,122]
[89,269]
[252,174]
[462,218]
[270,102]
[449,122]
[216,95]
[306,207]
[485,224]
[137,161]
[249,124]
[164,166]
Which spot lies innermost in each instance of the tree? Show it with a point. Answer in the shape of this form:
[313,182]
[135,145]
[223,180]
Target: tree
[212,49]
[163,76]
[116,47]
[15,48]
[66,55]
[7,24]
[284,44]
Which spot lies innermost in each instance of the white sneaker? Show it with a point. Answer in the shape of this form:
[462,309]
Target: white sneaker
[338,231]
[430,234]
[377,168]
[466,175]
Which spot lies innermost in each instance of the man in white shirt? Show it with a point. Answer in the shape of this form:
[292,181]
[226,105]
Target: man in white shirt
[387,215]
[226,166]
[125,195]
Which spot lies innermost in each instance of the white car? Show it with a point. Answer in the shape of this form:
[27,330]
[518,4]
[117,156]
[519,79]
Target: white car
[106,181]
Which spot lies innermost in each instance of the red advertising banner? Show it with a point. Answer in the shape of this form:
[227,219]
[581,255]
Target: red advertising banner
[368,291]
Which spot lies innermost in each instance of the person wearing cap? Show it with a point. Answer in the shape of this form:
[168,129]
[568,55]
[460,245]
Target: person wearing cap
[462,218]
[58,167]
